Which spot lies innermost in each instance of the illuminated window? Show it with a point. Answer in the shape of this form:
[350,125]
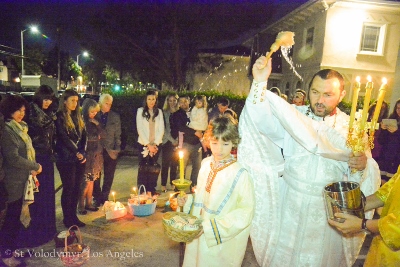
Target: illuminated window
[373,38]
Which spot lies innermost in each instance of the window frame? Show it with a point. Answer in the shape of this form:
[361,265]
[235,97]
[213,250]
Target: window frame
[381,39]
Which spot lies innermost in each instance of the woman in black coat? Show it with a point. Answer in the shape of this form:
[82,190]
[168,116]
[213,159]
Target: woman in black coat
[70,154]
[40,119]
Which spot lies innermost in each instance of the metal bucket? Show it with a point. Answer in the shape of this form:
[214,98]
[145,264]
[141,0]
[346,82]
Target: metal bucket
[344,197]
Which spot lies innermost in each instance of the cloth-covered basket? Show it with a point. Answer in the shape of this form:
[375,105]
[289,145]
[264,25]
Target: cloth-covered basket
[59,238]
[177,234]
[142,210]
[76,254]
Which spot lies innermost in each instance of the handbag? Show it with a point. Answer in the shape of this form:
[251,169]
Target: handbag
[148,173]
[148,166]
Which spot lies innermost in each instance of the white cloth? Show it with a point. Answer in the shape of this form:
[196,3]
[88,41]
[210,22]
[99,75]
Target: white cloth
[198,119]
[227,212]
[143,128]
[315,154]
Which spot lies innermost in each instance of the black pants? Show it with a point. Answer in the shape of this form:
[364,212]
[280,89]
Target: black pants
[101,194]
[169,161]
[148,180]
[71,175]
[11,227]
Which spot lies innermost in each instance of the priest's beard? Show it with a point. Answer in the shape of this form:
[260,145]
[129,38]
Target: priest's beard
[321,110]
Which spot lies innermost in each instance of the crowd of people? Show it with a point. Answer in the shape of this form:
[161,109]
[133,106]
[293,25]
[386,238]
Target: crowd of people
[271,190]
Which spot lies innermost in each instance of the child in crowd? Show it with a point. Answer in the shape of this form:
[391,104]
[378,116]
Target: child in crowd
[224,201]
[94,156]
[299,98]
[198,118]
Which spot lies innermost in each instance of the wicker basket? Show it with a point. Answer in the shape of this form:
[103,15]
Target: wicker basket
[173,201]
[176,234]
[142,210]
[76,254]
[71,238]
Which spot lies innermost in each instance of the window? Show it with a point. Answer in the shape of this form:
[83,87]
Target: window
[373,38]
[310,38]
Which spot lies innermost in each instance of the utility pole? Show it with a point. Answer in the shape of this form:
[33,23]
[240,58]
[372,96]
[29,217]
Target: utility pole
[58,59]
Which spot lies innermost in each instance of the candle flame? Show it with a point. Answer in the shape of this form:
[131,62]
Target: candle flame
[384,80]
[369,78]
[113,193]
[170,195]
[134,188]
[181,154]
[358,79]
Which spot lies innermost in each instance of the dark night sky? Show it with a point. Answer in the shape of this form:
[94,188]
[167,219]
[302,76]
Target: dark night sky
[71,15]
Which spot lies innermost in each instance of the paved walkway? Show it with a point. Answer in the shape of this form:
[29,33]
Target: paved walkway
[128,241]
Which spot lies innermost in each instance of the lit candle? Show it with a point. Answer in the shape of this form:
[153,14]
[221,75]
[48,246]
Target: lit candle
[181,168]
[134,190]
[367,98]
[382,92]
[113,193]
[356,90]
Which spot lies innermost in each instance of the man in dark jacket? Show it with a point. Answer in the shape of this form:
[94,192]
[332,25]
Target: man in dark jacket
[111,143]
[179,122]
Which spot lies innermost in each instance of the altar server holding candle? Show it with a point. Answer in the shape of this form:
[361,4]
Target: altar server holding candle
[224,200]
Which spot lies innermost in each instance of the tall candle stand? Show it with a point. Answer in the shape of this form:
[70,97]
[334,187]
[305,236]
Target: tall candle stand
[356,138]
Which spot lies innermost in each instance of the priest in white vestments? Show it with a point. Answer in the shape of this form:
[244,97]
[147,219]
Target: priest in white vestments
[290,226]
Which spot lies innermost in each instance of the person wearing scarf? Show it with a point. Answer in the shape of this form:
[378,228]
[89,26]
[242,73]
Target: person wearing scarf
[40,118]
[19,165]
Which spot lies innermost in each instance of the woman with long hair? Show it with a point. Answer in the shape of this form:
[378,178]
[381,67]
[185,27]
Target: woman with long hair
[169,160]
[70,154]
[390,141]
[150,127]
[94,155]
[383,114]
[18,164]
[40,119]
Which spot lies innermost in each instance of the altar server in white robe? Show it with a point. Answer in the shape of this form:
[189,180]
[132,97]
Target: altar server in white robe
[290,226]
[224,200]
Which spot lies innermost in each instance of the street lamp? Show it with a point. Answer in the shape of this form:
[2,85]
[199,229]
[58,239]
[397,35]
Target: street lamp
[85,54]
[34,29]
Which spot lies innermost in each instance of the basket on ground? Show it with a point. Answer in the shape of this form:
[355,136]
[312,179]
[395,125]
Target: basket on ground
[76,254]
[142,210]
[177,234]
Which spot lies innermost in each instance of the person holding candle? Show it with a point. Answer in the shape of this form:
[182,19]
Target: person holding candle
[389,138]
[224,201]
[150,127]
[191,145]
[70,154]
[385,246]
[290,226]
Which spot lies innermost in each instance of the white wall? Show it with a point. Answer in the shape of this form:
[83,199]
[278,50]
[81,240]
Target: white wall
[230,77]
[3,72]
